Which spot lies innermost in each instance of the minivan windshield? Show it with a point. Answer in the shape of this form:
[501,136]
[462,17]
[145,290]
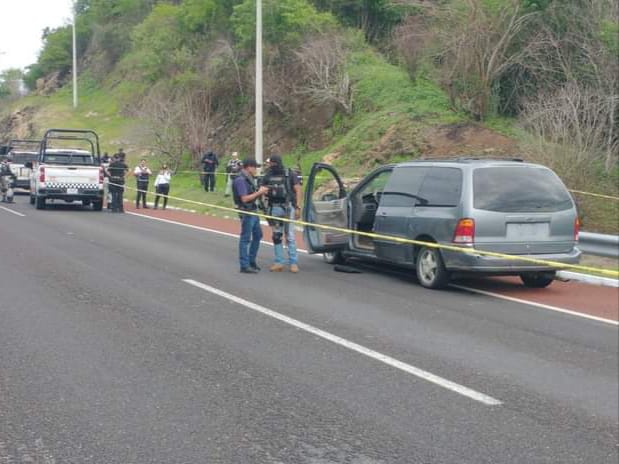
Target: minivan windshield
[519,189]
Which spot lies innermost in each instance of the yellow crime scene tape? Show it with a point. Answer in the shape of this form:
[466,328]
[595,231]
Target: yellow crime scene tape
[598,195]
[393,238]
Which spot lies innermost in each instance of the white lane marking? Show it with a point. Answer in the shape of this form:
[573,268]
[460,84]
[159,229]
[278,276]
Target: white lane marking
[417,372]
[204,229]
[16,213]
[461,287]
[531,303]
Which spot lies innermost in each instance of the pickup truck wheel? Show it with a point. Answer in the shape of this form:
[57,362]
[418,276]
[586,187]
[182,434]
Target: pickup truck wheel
[430,268]
[334,257]
[40,202]
[32,199]
[538,279]
[97,205]
[86,203]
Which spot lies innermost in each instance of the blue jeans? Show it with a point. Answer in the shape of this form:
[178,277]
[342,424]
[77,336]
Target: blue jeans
[288,232]
[251,234]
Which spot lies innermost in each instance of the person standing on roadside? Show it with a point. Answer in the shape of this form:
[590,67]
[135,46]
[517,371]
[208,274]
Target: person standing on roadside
[283,201]
[246,193]
[117,171]
[210,163]
[142,174]
[162,186]
[233,168]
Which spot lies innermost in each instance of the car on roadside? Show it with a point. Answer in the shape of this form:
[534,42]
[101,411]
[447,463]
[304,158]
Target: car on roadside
[20,153]
[507,207]
[65,171]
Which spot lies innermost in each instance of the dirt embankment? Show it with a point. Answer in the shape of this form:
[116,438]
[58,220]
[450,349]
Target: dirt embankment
[18,125]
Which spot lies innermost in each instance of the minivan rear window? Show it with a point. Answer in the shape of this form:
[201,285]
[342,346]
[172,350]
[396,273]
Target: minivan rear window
[522,189]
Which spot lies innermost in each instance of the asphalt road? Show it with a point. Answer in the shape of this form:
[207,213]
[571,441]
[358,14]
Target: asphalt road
[108,355]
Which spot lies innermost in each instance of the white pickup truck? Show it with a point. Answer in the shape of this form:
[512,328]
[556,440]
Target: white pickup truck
[67,174]
[21,152]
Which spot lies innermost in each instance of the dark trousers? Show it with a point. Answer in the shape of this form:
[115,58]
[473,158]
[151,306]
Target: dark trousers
[162,189]
[209,181]
[142,188]
[117,198]
[251,234]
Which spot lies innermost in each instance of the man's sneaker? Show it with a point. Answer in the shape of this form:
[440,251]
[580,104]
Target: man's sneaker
[248,270]
[294,268]
[255,266]
[276,268]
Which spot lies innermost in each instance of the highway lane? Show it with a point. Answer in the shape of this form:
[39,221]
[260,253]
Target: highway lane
[107,355]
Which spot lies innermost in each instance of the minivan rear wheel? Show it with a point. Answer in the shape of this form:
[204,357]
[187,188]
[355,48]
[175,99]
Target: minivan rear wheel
[538,279]
[334,257]
[430,268]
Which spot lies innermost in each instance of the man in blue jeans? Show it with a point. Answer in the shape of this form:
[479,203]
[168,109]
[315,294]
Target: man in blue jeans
[245,195]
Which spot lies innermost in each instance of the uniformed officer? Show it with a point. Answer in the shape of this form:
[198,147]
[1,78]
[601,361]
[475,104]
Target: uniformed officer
[117,171]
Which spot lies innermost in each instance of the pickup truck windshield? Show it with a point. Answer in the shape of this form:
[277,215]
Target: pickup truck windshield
[69,159]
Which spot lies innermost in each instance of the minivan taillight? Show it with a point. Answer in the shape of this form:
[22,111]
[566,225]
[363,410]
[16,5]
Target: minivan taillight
[576,229]
[465,231]
[42,174]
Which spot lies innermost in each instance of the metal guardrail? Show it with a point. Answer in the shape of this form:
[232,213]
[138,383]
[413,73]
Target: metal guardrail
[599,244]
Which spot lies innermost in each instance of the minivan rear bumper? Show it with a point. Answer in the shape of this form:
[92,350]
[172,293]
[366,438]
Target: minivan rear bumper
[472,262]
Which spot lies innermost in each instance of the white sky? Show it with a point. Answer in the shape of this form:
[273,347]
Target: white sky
[21,26]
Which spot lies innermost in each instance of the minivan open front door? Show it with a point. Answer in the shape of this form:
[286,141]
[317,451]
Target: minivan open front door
[325,203]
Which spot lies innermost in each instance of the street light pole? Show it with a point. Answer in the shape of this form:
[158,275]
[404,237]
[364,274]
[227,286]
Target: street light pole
[74,58]
[259,139]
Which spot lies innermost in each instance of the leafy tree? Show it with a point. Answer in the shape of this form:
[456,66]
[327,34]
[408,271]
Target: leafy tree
[285,21]
[10,83]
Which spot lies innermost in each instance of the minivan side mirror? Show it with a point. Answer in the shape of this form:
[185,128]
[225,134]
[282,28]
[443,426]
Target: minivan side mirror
[28,164]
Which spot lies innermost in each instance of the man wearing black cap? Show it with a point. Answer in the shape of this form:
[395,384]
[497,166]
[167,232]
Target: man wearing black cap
[283,201]
[117,171]
[245,195]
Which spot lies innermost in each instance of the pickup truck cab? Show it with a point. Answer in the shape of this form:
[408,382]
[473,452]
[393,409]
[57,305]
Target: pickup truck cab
[20,153]
[67,174]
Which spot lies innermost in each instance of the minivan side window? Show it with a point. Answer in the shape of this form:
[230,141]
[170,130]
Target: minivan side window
[441,187]
[403,186]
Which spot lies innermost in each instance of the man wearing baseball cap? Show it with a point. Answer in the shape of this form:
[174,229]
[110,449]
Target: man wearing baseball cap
[246,192]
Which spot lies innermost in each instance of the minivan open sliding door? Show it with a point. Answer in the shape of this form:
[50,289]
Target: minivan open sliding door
[325,203]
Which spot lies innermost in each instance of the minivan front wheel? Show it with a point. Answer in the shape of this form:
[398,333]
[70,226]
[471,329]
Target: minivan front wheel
[430,268]
[538,279]
[334,257]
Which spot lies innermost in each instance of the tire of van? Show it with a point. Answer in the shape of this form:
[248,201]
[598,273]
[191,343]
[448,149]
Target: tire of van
[97,205]
[430,269]
[40,202]
[538,279]
[334,257]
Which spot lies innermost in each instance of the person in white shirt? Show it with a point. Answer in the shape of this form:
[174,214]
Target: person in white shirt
[142,173]
[162,186]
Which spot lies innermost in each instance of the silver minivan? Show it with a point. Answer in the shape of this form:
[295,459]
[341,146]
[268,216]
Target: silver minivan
[503,206]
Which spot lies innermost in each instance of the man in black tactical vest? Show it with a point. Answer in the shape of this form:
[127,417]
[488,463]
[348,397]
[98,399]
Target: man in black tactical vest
[283,201]
[117,171]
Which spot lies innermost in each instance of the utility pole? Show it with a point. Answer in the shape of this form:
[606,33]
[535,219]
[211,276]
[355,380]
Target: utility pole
[74,57]
[259,140]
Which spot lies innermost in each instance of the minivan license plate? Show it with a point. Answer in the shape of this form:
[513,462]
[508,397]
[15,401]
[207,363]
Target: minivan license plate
[528,231]
[72,191]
